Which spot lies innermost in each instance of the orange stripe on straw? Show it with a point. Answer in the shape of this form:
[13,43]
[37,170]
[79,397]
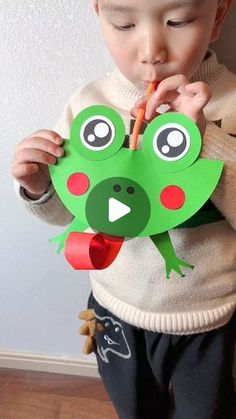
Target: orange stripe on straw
[140,117]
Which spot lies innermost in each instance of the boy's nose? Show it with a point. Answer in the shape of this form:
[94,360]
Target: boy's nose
[153,50]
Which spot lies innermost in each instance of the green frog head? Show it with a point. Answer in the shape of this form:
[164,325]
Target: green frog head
[126,193]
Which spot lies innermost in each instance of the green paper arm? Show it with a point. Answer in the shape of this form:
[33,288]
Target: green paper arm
[75,226]
[163,243]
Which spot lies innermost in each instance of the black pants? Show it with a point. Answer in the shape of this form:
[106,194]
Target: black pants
[138,366]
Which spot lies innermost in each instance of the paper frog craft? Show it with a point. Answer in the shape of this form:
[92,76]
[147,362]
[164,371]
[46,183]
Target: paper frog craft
[120,193]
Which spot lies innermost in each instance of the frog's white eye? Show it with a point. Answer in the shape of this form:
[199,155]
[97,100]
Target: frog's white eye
[171,142]
[97,133]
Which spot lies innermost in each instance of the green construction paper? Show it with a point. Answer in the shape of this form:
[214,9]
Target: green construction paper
[100,147]
[197,181]
[163,243]
[180,124]
[75,226]
[133,182]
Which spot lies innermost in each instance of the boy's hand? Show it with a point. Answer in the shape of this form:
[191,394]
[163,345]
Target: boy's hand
[31,159]
[181,95]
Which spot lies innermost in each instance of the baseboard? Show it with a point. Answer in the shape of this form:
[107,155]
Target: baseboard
[59,365]
[38,362]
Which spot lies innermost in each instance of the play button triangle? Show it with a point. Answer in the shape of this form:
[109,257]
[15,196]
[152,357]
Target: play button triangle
[117,210]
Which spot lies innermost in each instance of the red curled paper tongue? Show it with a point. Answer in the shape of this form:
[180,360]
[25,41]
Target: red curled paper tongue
[90,251]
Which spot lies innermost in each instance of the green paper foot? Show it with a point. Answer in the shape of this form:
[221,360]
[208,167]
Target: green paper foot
[174,265]
[163,243]
[75,225]
[60,239]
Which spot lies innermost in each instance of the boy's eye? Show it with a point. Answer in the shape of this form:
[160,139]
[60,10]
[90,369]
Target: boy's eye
[124,27]
[177,24]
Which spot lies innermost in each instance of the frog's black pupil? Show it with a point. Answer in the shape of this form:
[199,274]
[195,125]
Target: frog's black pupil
[130,190]
[116,188]
[96,138]
[165,148]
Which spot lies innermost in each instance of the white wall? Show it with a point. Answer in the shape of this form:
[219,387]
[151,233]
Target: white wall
[48,49]
[45,54]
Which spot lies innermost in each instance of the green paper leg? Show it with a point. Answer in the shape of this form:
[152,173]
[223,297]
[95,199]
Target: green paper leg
[163,242]
[75,226]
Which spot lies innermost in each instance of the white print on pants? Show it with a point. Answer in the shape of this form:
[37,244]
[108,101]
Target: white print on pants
[114,339]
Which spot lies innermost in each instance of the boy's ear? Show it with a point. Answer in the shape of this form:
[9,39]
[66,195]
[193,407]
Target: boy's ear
[95,5]
[222,9]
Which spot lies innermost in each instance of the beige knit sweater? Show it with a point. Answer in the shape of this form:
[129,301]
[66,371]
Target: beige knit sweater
[134,287]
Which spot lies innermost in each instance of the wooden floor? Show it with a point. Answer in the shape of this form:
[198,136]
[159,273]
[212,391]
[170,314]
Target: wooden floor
[39,395]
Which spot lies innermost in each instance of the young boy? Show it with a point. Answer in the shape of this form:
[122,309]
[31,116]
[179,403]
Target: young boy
[158,332]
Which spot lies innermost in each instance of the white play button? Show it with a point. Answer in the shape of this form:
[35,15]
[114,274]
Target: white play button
[117,210]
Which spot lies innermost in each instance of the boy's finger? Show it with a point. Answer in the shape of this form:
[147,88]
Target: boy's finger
[166,92]
[49,135]
[201,92]
[151,108]
[134,112]
[43,144]
[171,84]
[140,104]
[20,171]
[29,155]
[198,87]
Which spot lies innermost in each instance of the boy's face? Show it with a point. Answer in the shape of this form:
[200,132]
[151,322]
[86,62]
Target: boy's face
[150,40]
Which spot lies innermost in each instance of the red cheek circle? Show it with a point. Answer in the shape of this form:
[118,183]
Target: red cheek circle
[78,183]
[172,197]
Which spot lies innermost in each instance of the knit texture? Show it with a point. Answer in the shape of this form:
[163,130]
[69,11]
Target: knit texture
[134,287]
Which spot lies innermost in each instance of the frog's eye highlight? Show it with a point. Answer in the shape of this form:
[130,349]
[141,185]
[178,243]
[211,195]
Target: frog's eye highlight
[97,132]
[171,142]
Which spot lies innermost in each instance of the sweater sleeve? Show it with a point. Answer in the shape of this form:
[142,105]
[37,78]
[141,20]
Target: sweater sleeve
[48,207]
[219,145]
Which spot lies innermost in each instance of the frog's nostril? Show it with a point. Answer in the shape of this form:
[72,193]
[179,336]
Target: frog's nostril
[116,188]
[130,190]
